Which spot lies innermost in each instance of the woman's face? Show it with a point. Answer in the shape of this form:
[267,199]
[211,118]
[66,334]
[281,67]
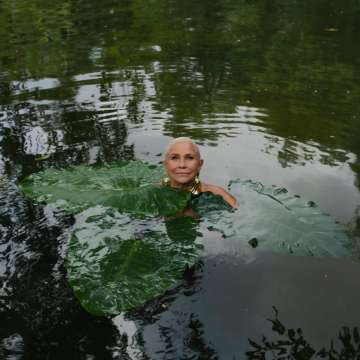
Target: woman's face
[182,163]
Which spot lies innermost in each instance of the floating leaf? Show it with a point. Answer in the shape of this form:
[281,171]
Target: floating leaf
[129,187]
[279,222]
[121,254]
[116,262]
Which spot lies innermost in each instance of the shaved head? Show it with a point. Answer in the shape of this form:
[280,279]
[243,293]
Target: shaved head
[182,162]
[182,140]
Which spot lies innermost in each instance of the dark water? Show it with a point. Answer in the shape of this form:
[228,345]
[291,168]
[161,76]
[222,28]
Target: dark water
[269,89]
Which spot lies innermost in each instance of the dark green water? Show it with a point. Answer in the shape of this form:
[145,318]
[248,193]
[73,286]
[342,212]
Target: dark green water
[269,89]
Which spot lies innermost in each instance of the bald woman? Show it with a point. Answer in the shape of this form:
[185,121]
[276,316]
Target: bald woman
[183,163]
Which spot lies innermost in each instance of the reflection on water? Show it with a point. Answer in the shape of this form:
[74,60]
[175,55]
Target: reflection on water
[293,343]
[270,91]
[209,316]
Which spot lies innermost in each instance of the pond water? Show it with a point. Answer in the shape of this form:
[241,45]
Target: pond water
[268,89]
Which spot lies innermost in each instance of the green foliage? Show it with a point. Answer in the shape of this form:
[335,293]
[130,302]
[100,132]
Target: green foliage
[121,254]
[119,259]
[129,187]
[116,262]
[271,219]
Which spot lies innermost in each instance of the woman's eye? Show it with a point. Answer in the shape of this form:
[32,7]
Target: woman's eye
[190,157]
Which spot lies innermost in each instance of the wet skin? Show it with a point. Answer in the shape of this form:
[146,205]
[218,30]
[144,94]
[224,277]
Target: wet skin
[183,163]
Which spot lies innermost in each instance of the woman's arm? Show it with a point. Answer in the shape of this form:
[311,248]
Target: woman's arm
[217,190]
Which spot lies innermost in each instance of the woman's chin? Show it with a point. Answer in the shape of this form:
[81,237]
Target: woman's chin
[181,182]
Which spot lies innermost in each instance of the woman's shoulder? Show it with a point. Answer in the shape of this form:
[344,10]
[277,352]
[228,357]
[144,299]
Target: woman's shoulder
[218,190]
[212,188]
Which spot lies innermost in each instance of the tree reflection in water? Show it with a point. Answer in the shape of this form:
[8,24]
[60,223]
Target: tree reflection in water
[293,345]
[185,67]
[39,315]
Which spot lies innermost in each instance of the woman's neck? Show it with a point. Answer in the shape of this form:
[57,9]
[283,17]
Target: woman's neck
[194,186]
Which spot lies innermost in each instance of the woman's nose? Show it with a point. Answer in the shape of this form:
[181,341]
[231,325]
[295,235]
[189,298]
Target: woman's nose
[182,163]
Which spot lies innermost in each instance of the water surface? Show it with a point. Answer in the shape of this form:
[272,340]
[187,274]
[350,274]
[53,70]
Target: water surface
[270,92]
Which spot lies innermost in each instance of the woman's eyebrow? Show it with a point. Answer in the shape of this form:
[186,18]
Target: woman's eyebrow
[178,154]
[186,154]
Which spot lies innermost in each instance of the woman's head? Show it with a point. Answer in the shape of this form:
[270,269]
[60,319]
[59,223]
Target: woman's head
[182,161]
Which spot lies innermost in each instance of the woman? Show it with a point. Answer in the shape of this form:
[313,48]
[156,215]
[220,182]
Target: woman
[183,164]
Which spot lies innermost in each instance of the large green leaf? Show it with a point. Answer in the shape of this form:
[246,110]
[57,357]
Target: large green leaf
[116,262]
[122,254]
[129,187]
[271,219]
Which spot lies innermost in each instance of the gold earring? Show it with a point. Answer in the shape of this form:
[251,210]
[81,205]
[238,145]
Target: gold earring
[195,187]
[165,181]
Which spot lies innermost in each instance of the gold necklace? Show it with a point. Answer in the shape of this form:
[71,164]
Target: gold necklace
[194,187]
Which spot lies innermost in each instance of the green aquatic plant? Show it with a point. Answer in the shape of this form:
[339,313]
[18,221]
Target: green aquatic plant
[116,262]
[272,219]
[131,187]
[122,253]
